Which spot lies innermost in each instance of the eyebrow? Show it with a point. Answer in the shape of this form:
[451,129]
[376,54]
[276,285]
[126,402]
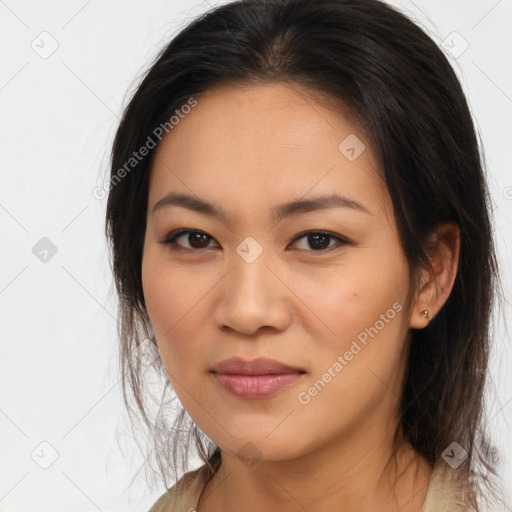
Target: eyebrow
[279,212]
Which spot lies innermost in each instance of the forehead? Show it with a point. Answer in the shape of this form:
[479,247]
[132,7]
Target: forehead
[268,142]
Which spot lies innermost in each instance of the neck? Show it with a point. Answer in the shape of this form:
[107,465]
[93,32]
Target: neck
[362,475]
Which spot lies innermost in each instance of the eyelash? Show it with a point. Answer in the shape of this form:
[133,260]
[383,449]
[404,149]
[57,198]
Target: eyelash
[170,240]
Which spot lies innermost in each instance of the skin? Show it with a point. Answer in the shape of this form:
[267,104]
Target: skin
[248,149]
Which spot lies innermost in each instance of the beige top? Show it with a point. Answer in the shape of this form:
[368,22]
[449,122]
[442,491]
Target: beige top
[442,494]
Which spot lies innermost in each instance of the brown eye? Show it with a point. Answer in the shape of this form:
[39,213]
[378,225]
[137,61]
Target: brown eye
[321,240]
[196,239]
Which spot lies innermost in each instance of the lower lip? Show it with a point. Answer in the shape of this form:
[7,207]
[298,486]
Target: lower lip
[255,386]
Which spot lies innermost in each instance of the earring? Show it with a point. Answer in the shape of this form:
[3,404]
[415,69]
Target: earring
[425,313]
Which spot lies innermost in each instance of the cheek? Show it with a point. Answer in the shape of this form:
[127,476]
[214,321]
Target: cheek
[349,300]
[358,357]
[174,299]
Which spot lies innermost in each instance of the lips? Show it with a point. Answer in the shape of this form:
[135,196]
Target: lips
[260,366]
[257,379]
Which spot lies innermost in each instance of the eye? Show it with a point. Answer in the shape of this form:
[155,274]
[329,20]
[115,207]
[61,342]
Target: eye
[196,239]
[199,240]
[319,240]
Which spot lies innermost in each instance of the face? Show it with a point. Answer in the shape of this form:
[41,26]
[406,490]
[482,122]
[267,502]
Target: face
[320,288]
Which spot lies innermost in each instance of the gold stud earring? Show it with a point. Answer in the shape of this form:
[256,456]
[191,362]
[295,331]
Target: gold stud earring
[425,313]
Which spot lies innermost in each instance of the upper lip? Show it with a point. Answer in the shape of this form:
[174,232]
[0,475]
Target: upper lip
[259,366]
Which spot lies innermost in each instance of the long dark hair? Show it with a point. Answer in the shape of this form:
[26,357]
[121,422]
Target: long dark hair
[367,58]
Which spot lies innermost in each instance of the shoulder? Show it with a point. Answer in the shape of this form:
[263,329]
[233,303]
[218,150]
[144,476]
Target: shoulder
[184,494]
[445,492]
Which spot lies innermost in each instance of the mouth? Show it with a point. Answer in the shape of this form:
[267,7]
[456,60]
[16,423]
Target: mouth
[259,366]
[256,379]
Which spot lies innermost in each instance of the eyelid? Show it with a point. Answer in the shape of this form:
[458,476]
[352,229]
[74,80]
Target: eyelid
[342,239]
[169,239]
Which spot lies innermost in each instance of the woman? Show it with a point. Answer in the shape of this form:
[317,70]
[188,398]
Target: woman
[299,225]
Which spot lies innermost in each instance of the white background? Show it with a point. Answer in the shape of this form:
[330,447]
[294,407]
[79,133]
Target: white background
[59,380]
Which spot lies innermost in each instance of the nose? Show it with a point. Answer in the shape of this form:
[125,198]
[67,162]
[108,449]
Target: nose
[252,297]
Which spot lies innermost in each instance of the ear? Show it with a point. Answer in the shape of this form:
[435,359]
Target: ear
[435,288]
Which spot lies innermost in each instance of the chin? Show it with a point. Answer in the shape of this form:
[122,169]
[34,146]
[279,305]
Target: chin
[253,448]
